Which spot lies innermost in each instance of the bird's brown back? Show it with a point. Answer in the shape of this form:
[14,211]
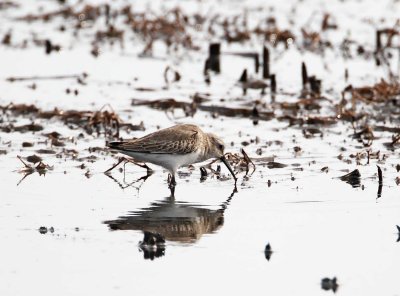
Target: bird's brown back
[178,139]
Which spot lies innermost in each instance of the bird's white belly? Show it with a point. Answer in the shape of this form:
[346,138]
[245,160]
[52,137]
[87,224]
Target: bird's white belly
[169,161]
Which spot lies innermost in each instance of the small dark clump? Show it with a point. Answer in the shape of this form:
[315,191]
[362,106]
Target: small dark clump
[329,284]
[268,251]
[43,229]
[353,178]
[34,158]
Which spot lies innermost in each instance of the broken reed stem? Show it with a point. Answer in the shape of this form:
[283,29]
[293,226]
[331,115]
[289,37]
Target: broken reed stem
[248,161]
[378,49]
[380,177]
[203,174]
[315,84]
[56,77]
[265,63]
[304,75]
[256,63]
[243,77]
[214,57]
[378,41]
[273,83]
[379,194]
[25,164]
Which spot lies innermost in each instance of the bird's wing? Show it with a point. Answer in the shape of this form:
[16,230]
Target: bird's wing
[179,139]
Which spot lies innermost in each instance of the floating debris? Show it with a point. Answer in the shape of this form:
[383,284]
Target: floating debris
[378,93]
[304,75]
[353,178]
[176,75]
[247,83]
[111,34]
[191,108]
[273,83]
[276,165]
[213,60]
[27,170]
[27,144]
[32,127]
[203,174]
[46,151]
[34,158]
[327,24]
[268,251]
[379,194]
[297,149]
[43,230]
[56,77]
[329,284]
[276,36]
[104,120]
[49,46]
[265,62]
[248,162]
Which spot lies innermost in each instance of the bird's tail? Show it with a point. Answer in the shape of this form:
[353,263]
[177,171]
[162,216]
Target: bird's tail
[114,145]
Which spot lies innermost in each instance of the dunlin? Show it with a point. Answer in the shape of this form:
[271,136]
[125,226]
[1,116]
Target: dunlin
[174,147]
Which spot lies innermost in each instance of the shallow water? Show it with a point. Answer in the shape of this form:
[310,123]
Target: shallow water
[316,224]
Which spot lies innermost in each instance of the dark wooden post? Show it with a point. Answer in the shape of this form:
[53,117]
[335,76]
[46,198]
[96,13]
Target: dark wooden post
[265,63]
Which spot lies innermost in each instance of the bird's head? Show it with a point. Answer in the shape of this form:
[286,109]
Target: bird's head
[217,146]
[217,149]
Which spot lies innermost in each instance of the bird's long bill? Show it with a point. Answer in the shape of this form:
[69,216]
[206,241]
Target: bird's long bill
[223,159]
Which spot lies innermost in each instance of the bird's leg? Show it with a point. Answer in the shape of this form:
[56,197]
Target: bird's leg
[171,184]
[142,165]
[171,180]
[121,159]
[172,189]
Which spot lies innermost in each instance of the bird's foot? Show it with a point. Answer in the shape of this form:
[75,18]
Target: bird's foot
[171,181]
[171,184]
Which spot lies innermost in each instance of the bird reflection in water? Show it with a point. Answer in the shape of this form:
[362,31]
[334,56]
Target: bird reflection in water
[152,246]
[172,221]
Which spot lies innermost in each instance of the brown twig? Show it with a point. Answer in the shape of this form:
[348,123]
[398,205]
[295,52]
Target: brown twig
[56,77]
[248,161]
[379,194]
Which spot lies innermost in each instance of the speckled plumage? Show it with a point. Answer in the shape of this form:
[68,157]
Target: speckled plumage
[178,139]
[174,147]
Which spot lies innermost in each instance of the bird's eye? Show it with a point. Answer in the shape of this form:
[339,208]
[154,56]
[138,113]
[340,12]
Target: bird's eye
[221,147]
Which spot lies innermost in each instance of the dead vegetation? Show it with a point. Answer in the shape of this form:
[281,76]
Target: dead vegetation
[370,111]
[102,122]
[353,178]
[381,92]
[240,163]
[41,168]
